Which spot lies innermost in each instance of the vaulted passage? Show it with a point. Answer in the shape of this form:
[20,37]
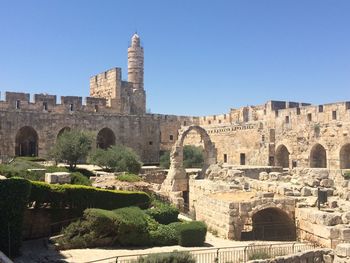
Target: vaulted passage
[105,138]
[26,142]
[318,157]
[344,156]
[273,224]
[282,156]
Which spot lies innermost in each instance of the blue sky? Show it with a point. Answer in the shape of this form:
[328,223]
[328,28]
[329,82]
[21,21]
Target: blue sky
[201,57]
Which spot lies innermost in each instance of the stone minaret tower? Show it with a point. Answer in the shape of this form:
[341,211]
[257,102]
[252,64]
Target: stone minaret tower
[135,75]
[135,62]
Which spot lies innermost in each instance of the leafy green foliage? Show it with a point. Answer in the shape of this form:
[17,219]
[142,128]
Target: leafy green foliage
[192,157]
[163,213]
[79,179]
[72,146]
[173,257]
[128,177]
[192,234]
[14,195]
[165,235]
[124,226]
[82,197]
[164,160]
[118,159]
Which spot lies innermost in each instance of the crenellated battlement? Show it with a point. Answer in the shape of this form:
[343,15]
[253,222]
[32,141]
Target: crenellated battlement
[48,103]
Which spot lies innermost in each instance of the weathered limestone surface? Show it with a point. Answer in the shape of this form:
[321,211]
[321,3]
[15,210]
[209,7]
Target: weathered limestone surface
[57,178]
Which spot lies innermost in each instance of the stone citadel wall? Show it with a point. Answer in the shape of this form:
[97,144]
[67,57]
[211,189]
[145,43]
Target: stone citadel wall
[35,125]
[282,133]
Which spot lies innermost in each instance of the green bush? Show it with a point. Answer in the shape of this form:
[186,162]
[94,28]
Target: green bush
[192,234]
[118,159]
[133,227]
[165,235]
[125,226]
[82,197]
[164,160]
[163,213]
[128,177]
[14,195]
[79,179]
[173,257]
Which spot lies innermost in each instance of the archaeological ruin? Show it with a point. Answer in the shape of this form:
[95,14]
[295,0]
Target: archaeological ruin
[264,167]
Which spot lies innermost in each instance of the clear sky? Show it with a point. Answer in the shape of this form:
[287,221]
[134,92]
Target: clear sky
[201,57]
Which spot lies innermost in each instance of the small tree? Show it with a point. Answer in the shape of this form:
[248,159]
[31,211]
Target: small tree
[72,146]
[117,158]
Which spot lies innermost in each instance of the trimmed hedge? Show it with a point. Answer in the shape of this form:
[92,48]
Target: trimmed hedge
[173,257]
[165,235]
[82,197]
[14,195]
[125,226]
[163,213]
[192,234]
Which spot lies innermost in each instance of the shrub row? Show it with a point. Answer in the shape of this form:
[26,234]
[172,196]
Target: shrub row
[129,227]
[82,197]
[14,195]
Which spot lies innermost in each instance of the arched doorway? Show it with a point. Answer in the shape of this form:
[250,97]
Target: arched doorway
[273,224]
[318,156]
[26,142]
[62,131]
[282,156]
[105,138]
[177,180]
[344,156]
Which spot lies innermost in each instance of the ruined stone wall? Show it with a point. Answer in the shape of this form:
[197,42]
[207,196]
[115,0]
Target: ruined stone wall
[300,129]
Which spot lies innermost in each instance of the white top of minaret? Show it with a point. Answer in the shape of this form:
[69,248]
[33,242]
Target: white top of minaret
[135,40]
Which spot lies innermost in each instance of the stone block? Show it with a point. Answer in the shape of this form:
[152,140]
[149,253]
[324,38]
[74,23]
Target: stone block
[343,250]
[305,191]
[327,183]
[57,178]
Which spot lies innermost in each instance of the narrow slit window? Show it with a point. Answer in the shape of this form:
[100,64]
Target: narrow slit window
[334,115]
[71,107]
[18,104]
[45,106]
[309,117]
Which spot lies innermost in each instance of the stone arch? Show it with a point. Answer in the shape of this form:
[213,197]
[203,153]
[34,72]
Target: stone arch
[177,175]
[26,142]
[282,156]
[344,156]
[105,138]
[318,156]
[272,224]
[61,131]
